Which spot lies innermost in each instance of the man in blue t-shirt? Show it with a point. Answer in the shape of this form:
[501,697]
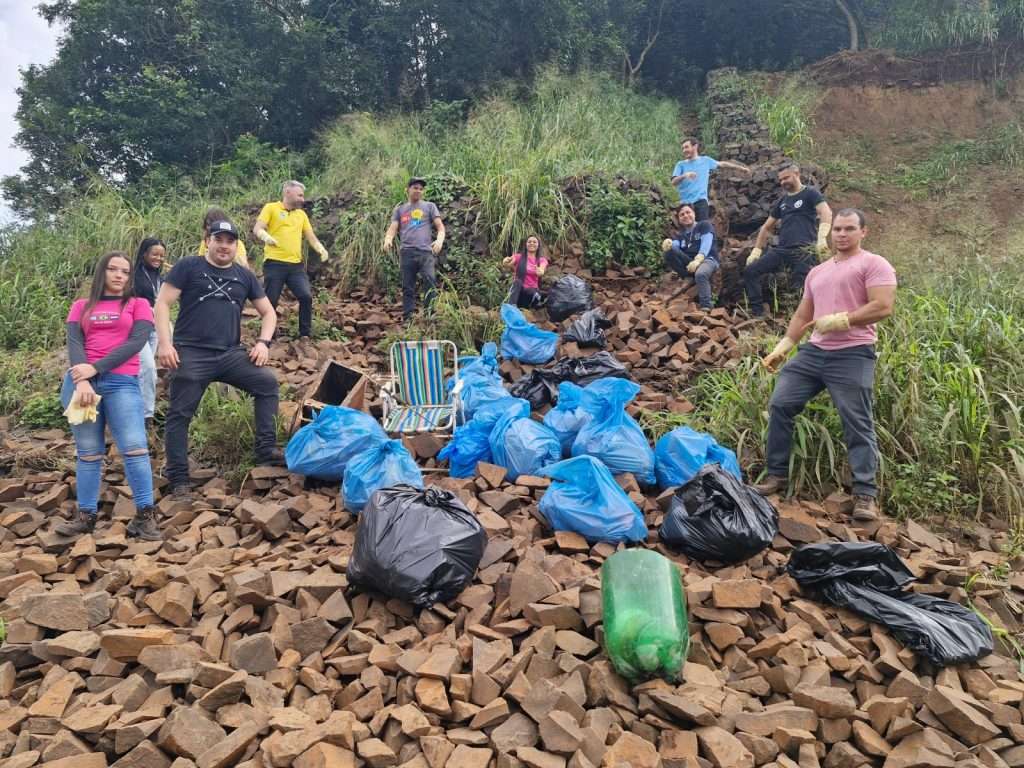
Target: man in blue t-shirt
[803,220]
[691,175]
[693,253]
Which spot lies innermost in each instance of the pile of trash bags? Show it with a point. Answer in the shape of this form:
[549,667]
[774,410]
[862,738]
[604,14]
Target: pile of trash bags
[540,386]
[479,381]
[585,499]
[610,434]
[716,517]
[523,446]
[869,578]
[679,455]
[382,466]
[421,546]
[588,329]
[566,419]
[323,448]
[471,442]
[523,341]
[568,296]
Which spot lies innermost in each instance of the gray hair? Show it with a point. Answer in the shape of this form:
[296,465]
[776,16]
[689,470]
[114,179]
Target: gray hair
[290,184]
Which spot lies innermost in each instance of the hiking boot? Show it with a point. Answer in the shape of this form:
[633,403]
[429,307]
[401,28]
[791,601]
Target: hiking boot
[143,525]
[82,522]
[771,484]
[182,493]
[273,458]
[865,509]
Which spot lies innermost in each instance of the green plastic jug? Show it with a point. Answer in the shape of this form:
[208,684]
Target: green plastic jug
[645,625]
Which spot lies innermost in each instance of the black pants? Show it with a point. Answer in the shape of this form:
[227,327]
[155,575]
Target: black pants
[529,298]
[197,369]
[277,275]
[800,261]
[417,263]
[701,210]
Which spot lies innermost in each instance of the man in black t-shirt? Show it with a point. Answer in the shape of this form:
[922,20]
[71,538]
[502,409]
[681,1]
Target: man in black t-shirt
[207,346]
[803,220]
[693,253]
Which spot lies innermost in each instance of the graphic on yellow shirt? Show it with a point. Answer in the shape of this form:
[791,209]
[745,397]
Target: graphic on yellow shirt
[287,228]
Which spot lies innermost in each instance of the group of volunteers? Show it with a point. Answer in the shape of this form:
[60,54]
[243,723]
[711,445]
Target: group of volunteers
[118,334]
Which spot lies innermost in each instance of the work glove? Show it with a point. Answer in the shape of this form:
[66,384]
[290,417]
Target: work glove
[79,414]
[389,240]
[265,237]
[666,245]
[754,256]
[840,321]
[319,248]
[822,247]
[437,245]
[693,265]
[772,360]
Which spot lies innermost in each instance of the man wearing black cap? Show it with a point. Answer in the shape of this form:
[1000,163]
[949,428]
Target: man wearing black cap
[207,346]
[412,221]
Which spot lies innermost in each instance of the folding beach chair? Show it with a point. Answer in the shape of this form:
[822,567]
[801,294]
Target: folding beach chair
[415,398]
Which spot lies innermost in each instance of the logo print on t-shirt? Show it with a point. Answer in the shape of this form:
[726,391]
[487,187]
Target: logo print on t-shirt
[104,317]
[798,204]
[417,218]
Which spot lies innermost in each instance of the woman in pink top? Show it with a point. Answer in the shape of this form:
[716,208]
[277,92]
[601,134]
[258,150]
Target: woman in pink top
[525,291]
[105,333]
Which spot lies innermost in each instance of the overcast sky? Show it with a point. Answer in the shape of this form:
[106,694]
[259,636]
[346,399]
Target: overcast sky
[24,39]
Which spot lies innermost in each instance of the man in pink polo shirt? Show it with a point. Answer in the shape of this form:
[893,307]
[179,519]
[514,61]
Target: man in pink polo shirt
[843,299]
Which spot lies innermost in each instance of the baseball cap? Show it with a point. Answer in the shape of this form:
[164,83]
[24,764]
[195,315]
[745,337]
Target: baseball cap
[223,228]
[416,180]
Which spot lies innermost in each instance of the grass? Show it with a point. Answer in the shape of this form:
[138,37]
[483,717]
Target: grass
[945,165]
[786,112]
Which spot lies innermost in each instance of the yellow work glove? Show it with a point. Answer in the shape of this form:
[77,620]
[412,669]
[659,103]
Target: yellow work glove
[840,321]
[692,266]
[78,414]
[265,237]
[754,256]
[666,245]
[772,360]
[823,230]
[319,248]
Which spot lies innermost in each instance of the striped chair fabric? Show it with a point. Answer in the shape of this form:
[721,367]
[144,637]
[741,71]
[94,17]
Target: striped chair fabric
[423,405]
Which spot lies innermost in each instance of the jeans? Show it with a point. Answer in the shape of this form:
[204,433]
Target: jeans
[849,376]
[800,260]
[677,260]
[197,369]
[120,408]
[417,263]
[147,375]
[277,275]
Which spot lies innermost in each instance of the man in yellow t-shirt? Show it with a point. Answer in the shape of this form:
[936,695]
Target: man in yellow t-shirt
[281,226]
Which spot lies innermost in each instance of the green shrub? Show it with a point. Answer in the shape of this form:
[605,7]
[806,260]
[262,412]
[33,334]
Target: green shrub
[624,227]
[42,411]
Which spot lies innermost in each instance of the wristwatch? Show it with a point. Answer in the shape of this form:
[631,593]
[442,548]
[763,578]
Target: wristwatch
[266,342]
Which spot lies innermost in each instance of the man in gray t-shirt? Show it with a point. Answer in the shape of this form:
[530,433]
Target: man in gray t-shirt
[412,222]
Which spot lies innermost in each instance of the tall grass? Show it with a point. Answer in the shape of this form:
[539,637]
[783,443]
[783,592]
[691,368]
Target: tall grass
[786,113]
[949,402]
[946,164]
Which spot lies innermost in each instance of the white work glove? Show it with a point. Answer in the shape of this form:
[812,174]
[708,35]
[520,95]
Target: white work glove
[265,237]
[437,245]
[319,248]
[666,245]
[840,321]
[772,360]
[693,265]
[754,256]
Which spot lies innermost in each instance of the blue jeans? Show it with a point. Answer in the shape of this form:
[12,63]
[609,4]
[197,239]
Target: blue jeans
[147,376]
[120,409]
[677,261]
[849,376]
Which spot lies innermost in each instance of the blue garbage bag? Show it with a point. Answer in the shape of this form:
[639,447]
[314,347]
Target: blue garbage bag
[478,391]
[469,444]
[525,342]
[566,419]
[610,434]
[679,455]
[523,446]
[481,382]
[323,448]
[584,498]
[484,363]
[488,414]
[382,466]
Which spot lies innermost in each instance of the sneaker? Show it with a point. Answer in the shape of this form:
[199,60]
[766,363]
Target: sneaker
[273,458]
[181,493]
[771,484]
[143,525]
[865,509]
[82,522]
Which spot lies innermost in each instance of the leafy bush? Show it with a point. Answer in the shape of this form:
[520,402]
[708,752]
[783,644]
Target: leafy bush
[42,411]
[622,227]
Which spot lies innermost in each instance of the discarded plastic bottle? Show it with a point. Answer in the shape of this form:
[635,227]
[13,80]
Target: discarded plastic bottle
[645,625]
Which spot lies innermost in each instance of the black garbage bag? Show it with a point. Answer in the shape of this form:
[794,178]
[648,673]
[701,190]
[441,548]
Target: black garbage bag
[869,578]
[716,517]
[569,295]
[421,546]
[540,386]
[588,329]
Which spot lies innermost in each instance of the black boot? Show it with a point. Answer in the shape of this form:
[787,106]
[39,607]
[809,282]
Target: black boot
[273,458]
[143,525]
[81,522]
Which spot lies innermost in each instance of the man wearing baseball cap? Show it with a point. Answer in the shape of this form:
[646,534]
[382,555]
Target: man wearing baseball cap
[412,221]
[206,347]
